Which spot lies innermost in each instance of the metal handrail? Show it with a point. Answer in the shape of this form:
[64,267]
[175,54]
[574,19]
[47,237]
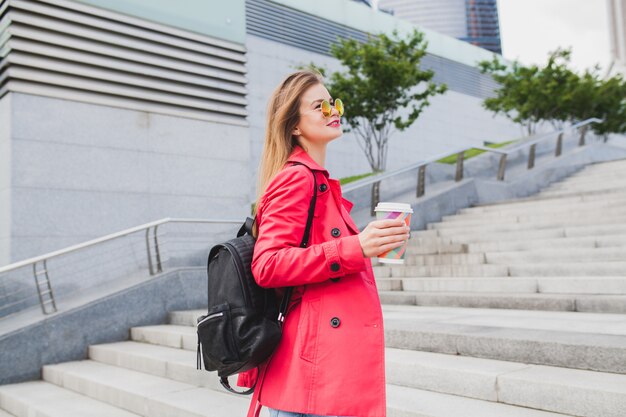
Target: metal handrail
[44,287]
[377,178]
[460,152]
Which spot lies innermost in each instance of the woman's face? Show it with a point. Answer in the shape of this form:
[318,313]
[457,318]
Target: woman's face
[313,127]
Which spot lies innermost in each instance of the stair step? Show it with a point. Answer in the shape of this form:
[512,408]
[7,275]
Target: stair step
[445,259]
[143,394]
[176,364]
[513,301]
[43,399]
[521,234]
[588,341]
[556,243]
[589,393]
[461,228]
[441,270]
[568,268]
[176,336]
[524,207]
[410,402]
[574,255]
[532,203]
[591,341]
[544,285]
[572,216]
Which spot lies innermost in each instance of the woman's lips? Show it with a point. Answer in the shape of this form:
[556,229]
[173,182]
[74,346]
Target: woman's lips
[334,123]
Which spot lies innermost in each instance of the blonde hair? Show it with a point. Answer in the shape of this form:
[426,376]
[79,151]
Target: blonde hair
[283,114]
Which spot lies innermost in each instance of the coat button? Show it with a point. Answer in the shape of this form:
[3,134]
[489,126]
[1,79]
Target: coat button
[335,279]
[323,187]
[335,267]
[335,232]
[335,322]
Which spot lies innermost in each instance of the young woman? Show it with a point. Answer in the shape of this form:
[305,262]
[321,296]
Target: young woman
[330,360]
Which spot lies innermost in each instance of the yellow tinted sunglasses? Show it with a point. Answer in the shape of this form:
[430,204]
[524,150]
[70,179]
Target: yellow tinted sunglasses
[327,109]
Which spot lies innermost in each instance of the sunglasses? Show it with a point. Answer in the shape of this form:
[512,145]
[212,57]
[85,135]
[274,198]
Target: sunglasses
[327,109]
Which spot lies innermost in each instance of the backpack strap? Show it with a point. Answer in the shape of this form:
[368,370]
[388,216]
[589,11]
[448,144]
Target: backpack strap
[282,312]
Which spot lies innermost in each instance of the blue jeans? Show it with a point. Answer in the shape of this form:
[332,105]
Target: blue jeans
[280,413]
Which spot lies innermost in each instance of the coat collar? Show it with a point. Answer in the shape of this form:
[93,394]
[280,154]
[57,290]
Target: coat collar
[299,155]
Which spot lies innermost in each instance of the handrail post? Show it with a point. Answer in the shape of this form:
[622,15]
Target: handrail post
[459,167]
[159,267]
[531,156]
[148,249]
[583,132]
[46,295]
[559,145]
[421,181]
[375,197]
[502,167]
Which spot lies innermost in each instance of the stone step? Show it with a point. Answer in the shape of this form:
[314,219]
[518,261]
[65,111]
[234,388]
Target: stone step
[441,271]
[177,364]
[543,285]
[534,205]
[451,380]
[562,269]
[514,301]
[557,243]
[466,228]
[524,207]
[587,341]
[588,393]
[434,246]
[599,191]
[547,269]
[572,215]
[576,208]
[411,402]
[588,185]
[573,255]
[43,399]
[469,236]
[142,394]
[445,259]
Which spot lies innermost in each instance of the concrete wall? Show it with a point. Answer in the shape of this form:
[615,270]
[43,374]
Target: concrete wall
[5,178]
[81,171]
[66,336]
[451,121]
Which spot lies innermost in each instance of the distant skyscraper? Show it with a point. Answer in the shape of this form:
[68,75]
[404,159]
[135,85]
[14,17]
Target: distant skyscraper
[617,34]
[473,21]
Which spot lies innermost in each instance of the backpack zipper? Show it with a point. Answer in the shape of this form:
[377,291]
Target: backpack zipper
[212,316]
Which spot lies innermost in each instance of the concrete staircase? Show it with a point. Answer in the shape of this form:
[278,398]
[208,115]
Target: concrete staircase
[512,309]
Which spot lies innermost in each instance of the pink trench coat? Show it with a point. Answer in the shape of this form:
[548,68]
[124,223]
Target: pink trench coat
[330,360]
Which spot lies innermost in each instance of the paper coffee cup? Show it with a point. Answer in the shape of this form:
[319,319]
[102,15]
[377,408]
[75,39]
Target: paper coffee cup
[394,211]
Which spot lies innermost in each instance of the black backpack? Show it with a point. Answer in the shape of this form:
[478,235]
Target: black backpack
[244,323]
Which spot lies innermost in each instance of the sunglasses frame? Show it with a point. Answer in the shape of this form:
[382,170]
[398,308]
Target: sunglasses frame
[327,107]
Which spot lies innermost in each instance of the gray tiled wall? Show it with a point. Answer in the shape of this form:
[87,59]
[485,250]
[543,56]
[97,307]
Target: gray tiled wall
[80,171]
[5,178]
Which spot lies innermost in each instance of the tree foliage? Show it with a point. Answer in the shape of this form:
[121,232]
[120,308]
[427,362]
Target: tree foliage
[553,93]
[383,87]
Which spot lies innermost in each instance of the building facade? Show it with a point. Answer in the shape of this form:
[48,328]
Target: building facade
[115,114]
[473,21]
[617,35]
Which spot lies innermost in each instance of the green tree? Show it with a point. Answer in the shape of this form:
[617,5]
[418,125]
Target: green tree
[530,95]
[384,88]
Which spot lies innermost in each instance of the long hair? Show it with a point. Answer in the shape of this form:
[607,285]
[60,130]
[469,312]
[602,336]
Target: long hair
[283,115]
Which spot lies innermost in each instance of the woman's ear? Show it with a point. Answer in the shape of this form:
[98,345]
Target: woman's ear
[296,132]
